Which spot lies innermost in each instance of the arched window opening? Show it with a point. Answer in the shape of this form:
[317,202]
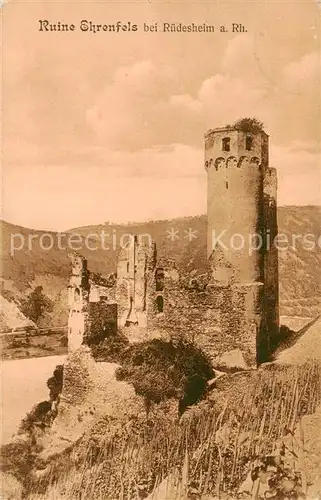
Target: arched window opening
[231,162]
[77,295]
[255,160]
[219,163]
[226,144]
[160,304]
[243,161]
[248,143]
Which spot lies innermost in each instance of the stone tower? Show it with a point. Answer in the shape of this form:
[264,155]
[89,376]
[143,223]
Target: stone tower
[242,222]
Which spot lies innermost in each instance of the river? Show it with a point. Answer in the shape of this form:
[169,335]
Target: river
[23,384]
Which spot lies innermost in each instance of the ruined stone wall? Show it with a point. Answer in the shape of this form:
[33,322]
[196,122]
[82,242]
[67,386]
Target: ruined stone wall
[217,319]
[271,270]
[78,300]
[135,277]
[103,321]
[92,308]
[164,290]
[236,306]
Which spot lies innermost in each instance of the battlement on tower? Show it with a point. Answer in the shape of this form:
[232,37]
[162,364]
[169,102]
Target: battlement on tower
[231,148]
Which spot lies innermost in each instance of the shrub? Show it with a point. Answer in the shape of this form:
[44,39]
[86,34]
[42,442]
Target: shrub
[42,414]
[54,383]
[280,481]
[250,125]
[39,416]
[161,370]
[110,349]
[18,458]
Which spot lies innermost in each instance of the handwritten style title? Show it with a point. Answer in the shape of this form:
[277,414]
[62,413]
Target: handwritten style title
[45,25]
[128,26]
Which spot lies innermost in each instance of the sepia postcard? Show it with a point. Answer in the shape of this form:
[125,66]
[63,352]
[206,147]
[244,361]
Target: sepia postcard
[160,297]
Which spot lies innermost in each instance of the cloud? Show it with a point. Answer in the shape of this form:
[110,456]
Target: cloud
[225,99]
[153,183]
[234,91]
[130,140]
[240,88]
[301,75]
[240,59]
[159,182]
[131,111]
[141,108]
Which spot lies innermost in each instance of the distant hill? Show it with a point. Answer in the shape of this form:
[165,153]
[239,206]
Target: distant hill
[300,269]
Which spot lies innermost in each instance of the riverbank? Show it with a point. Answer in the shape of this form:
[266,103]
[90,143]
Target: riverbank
[24,383]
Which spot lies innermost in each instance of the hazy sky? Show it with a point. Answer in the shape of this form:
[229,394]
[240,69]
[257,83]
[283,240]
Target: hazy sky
[106,126]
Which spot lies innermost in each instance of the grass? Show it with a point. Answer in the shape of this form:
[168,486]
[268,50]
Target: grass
[209,451]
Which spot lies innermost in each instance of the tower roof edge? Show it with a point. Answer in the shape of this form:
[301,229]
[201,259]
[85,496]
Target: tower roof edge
[231,128]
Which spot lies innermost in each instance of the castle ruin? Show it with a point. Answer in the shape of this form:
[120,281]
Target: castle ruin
[234,304]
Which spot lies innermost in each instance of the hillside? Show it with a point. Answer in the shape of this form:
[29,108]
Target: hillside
[11,317]
[300,283]
[303,347]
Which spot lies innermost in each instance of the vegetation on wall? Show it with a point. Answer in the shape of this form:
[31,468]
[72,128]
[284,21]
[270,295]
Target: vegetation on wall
[54,383]
[106,281]
[162,370]
[249,125]
[159,370]
[103,323]
[43,414]
[110,349]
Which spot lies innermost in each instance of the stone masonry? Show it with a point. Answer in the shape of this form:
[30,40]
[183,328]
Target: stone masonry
[234,304]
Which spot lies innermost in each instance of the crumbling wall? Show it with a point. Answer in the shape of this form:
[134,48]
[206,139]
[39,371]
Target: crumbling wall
[235,306]
[103,321]
[135,277]
[92,307]
[271,269]
[90,391]
[78,300]
[217,318]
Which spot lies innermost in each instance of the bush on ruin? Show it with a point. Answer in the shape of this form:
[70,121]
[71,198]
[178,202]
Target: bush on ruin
[162,370]
[54,383]
[110,349]
[42,414]
[249,125]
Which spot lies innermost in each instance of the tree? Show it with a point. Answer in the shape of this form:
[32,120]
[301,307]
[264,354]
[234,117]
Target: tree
[36,304]
[161,370]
